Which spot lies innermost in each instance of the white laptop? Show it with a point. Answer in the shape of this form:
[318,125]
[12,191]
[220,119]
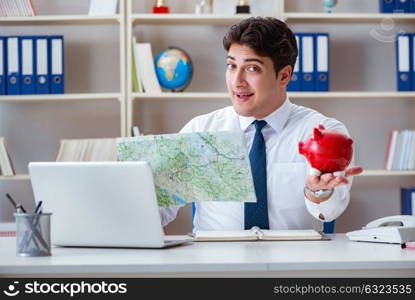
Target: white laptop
[101,204]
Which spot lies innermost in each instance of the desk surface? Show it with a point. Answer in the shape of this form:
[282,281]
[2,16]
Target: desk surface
[338,257]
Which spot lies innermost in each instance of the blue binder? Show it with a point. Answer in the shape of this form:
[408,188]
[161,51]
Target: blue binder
[42,65]
[386,6]
[403,61]
[402,6]
[413,60]
[27,62]
[321,62]
[294,85]
[408,201]
[412,6]
[13,66]
[2,65]
[56,64]
[307,63]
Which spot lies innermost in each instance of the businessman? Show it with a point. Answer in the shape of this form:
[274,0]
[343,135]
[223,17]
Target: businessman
[261,53]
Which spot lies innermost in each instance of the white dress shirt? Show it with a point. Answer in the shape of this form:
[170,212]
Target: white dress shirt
[288,208]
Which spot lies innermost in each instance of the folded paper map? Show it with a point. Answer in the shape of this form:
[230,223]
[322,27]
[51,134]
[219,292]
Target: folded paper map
[190,167]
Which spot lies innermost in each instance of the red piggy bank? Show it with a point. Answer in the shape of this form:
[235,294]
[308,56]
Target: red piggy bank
[327,151]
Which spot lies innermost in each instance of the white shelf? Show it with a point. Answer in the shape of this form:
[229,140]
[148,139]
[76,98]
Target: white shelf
[183,19]
[67,19]
[61,97]
[366,173]
[357,95]
[192,96]
[387,173]
[346,17]
[16,177]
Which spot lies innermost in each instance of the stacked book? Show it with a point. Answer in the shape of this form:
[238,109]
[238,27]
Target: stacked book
[6,167]
[17,8]
[102,7]
[400,152]
[88,150]
[143,70]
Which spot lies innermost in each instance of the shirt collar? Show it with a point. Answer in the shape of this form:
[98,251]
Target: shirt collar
[277,119]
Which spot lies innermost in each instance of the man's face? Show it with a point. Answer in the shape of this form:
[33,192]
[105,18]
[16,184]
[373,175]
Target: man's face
[253,85]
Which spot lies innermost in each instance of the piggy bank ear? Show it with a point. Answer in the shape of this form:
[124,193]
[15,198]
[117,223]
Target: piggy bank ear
[317,135]
[321,127]
[350,141]
[301,147]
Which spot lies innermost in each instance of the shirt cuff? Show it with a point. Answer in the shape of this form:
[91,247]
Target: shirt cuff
[168,214]
[332,208]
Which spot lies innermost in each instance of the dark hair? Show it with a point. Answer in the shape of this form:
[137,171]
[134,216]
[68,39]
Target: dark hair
[267,36]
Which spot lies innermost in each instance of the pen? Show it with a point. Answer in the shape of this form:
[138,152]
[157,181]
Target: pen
[37,207]
[34,234]
[19,208]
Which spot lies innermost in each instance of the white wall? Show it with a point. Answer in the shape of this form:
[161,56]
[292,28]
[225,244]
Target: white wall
[359,62]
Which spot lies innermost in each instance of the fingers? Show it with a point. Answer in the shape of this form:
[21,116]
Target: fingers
[326,178]
[353,171]
[325,181]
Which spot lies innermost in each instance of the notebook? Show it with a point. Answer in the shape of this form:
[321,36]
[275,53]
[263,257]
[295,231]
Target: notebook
[101,204]
[255,233]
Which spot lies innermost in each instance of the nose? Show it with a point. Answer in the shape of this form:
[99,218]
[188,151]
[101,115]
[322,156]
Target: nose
[239,79]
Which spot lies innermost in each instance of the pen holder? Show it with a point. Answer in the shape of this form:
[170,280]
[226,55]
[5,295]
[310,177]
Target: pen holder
[33,234]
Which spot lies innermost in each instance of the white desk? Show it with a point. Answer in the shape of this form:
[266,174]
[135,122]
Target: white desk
[336,258]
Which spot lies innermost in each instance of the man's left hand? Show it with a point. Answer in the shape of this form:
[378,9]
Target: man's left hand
[328,181]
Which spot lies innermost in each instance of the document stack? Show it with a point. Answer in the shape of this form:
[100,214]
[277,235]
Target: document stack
[6,167]
[17,8]
[311,72]
[405,61]
[397,6]
[400,152]
[31,65]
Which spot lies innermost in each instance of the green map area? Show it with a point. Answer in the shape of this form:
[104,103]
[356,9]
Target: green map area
[190,167]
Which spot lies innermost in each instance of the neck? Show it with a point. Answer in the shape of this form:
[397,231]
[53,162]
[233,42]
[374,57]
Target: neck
[282,95]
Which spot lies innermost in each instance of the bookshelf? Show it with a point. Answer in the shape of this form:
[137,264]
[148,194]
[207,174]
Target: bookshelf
[127,19]
[140,19]
[76,20]
[195,96]
[345,17]
[185,19]
[366,173]
[368,104]
[82,92]
[63,97]
[16,177]
[62,19]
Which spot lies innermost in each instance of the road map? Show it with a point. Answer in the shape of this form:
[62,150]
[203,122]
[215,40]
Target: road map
[192,167]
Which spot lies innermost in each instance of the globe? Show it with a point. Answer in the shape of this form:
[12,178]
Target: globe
[174,69]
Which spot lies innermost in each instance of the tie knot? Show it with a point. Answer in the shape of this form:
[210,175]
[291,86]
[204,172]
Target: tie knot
[259,124]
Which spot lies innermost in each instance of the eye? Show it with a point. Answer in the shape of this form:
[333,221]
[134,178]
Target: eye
[253,69]
[230,66]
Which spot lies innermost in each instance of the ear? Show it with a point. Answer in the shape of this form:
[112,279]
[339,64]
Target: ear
[284,75]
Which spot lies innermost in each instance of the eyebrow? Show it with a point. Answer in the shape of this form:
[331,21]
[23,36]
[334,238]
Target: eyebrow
[247,60]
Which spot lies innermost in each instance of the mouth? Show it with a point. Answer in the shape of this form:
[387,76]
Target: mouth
[243,96]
